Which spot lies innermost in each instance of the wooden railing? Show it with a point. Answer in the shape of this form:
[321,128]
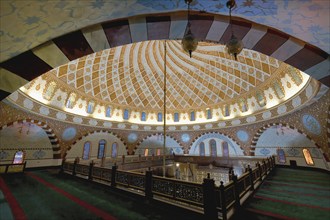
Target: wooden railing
[12,168]
[214,201]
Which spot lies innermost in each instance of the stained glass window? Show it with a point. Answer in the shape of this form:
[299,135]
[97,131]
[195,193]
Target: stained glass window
[50,91]
[296,76]
[158,152]
[209,114]
[260,98]
[71,100]
[278,89]
[243,105]
[86,151]
[108,112]
[225,149]
[213,148]
[114,149]
[192,116]
[160,117]
[90,107]
[176,117]
[101,150]
[202,149]
[308,157]
[146,152]
[226,110]
[281,156]
[19,157]
[126,114]
[143,116]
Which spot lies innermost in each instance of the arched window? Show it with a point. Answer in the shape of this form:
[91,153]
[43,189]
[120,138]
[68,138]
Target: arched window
[202,149]
[143,116]
[160,117]
[146,152]
[281,156]
[50,91]
[108,112]
[100,153]
[87,149]
[213,148]
[308,157]
[225,149]
[176,117]
[158,152]
[19,157]
[209,114]
[71,100]
[126,114]
[90,107]
[114,150]
[192,116]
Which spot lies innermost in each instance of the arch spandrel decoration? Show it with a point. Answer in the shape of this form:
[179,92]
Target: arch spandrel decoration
[50,133]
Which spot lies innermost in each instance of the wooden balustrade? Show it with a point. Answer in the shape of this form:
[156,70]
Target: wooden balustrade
[12,168]
[215,201]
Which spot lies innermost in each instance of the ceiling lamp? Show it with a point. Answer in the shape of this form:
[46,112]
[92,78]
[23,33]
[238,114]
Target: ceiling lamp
[234,46]
[189,42]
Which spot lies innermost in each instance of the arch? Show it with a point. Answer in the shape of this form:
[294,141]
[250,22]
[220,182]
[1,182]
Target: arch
[119,140]
[264,128]
[305,57]
[50,133]
[99,131]
[237,149]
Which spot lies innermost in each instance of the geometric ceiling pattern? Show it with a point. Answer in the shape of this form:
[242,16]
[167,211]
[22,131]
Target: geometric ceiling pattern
[133,75]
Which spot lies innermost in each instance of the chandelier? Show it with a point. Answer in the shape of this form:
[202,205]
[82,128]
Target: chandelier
[234,46]
[189,42]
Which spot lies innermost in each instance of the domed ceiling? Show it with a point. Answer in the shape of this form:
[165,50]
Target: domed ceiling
[132,76]
[126,83]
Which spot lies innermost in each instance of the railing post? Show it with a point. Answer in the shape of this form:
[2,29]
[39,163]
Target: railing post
[223,201]
[259,171]
[74,168]
[113,176]
[62,166]
[24,166]
[148,186]
[251,178]
[210,207]
[90,173]
[123,159]
[264,166]
[237,203]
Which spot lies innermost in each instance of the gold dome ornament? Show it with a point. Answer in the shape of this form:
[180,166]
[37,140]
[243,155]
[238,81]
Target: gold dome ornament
[234,46]
[189,42]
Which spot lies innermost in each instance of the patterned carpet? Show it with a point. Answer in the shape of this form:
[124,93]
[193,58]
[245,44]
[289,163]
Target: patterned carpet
[291,194]
[48,195]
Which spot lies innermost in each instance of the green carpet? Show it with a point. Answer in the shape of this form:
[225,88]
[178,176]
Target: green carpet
[41,202]
[291,194]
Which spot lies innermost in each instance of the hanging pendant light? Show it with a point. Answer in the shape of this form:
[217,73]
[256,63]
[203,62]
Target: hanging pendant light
[234,46]
[189,42]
